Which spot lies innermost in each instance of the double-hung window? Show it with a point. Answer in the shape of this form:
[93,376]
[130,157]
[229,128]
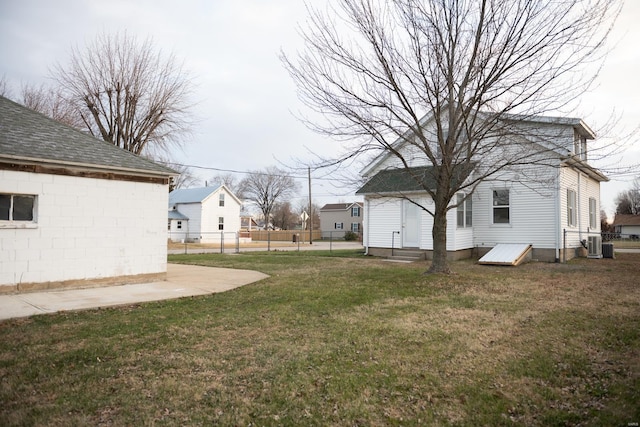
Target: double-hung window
[571,208]
[464,211]
[338,226]
[220,223]
[355,211]
[355,227]
[593,213]
[18,208]
[501,207]
[221,200]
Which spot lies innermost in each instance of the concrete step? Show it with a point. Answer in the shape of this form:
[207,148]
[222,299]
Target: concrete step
[407,255]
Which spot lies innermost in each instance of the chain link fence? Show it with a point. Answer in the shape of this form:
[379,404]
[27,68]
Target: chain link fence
[255,240]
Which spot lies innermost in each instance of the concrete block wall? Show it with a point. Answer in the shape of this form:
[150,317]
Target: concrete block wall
[85,229]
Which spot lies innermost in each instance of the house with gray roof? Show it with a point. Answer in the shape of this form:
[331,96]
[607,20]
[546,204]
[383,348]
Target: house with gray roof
[205,215]
[526,206]
[74,210]
[338,218]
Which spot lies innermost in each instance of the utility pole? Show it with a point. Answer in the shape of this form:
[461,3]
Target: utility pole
[310,212]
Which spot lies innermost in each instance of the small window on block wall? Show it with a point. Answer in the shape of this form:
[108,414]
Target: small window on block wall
[17,209]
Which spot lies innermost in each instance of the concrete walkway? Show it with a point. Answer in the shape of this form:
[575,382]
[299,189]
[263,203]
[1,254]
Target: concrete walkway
[182,281]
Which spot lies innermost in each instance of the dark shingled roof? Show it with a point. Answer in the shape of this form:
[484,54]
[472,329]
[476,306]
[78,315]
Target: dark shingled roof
[28,136]
[339,206]
[405,180]
[626,219]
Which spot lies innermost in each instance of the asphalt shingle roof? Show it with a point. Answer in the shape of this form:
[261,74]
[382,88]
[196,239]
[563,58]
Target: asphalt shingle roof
[26,135]
[339,206]
[407,180]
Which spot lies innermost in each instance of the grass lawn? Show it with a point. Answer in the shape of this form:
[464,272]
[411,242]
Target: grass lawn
[343,340]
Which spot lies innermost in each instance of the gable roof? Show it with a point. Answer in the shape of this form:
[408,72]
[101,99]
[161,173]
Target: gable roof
[405,180]
[576,123]
[191,195]
[174,214]
[626,219]
[30,138]
[339,206]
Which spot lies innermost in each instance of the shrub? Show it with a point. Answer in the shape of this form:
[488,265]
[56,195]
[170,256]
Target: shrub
[350,236]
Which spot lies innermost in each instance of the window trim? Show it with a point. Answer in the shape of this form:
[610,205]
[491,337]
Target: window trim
[572,201]
[354,209]
[593,211]
[355,227]
[20,223]
[221,200]
[220,223]
[494,207]
[466,209]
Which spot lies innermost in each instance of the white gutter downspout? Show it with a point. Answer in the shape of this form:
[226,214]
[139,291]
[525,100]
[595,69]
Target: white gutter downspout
[365,219]
[557,216]
[578,210]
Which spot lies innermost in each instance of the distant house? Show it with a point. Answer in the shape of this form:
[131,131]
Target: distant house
[338,218]
[205,215]
[74,210]
[627,225]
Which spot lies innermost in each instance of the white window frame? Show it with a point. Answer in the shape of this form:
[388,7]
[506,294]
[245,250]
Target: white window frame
[178,225]
[221,200]
[495,206]
[593,222]
[355,211]
[11,222]
[220,223]
[355,227]
[464,211]
[571,208]
[338,226]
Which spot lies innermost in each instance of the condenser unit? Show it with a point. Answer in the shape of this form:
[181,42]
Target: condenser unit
[594,246]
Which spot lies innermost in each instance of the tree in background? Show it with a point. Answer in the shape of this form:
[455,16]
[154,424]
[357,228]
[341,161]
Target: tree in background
[267,187]
[628,201]
[51,103]
[374,69]
[229,180]
[283,217]
[127,93]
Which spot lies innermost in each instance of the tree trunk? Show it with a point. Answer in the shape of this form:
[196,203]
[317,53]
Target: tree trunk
[439,264]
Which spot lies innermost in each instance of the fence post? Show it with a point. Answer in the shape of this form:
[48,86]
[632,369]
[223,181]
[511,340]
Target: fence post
[564,245]
[222,242]
[237,242]
[268,240]
[330,241]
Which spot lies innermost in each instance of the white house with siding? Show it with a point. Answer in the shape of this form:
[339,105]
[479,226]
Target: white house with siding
[530,204]
[206,215]
[75,211]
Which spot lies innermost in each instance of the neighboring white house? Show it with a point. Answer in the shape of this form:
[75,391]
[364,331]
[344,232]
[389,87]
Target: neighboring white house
[338,218]
[530,204]
[74,210]
[627,225]
[205,215]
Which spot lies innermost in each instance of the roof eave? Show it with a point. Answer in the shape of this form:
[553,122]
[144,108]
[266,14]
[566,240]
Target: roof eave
[4,158]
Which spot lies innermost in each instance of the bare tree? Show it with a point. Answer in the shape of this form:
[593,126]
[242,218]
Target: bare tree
[186,179]
[267,187]
[4,87]
[628,201]
[374,69]
[127,93]
[229,180]
[51,103]
[283,216]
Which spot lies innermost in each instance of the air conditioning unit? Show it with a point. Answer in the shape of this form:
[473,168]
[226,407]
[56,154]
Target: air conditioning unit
[594,246]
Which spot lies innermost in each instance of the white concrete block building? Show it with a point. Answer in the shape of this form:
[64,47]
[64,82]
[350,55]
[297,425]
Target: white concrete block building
[74,210]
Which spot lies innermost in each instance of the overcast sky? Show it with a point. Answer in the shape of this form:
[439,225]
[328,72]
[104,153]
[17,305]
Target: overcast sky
[246,99]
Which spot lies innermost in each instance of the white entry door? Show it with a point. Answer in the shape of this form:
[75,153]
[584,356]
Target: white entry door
[410,225]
